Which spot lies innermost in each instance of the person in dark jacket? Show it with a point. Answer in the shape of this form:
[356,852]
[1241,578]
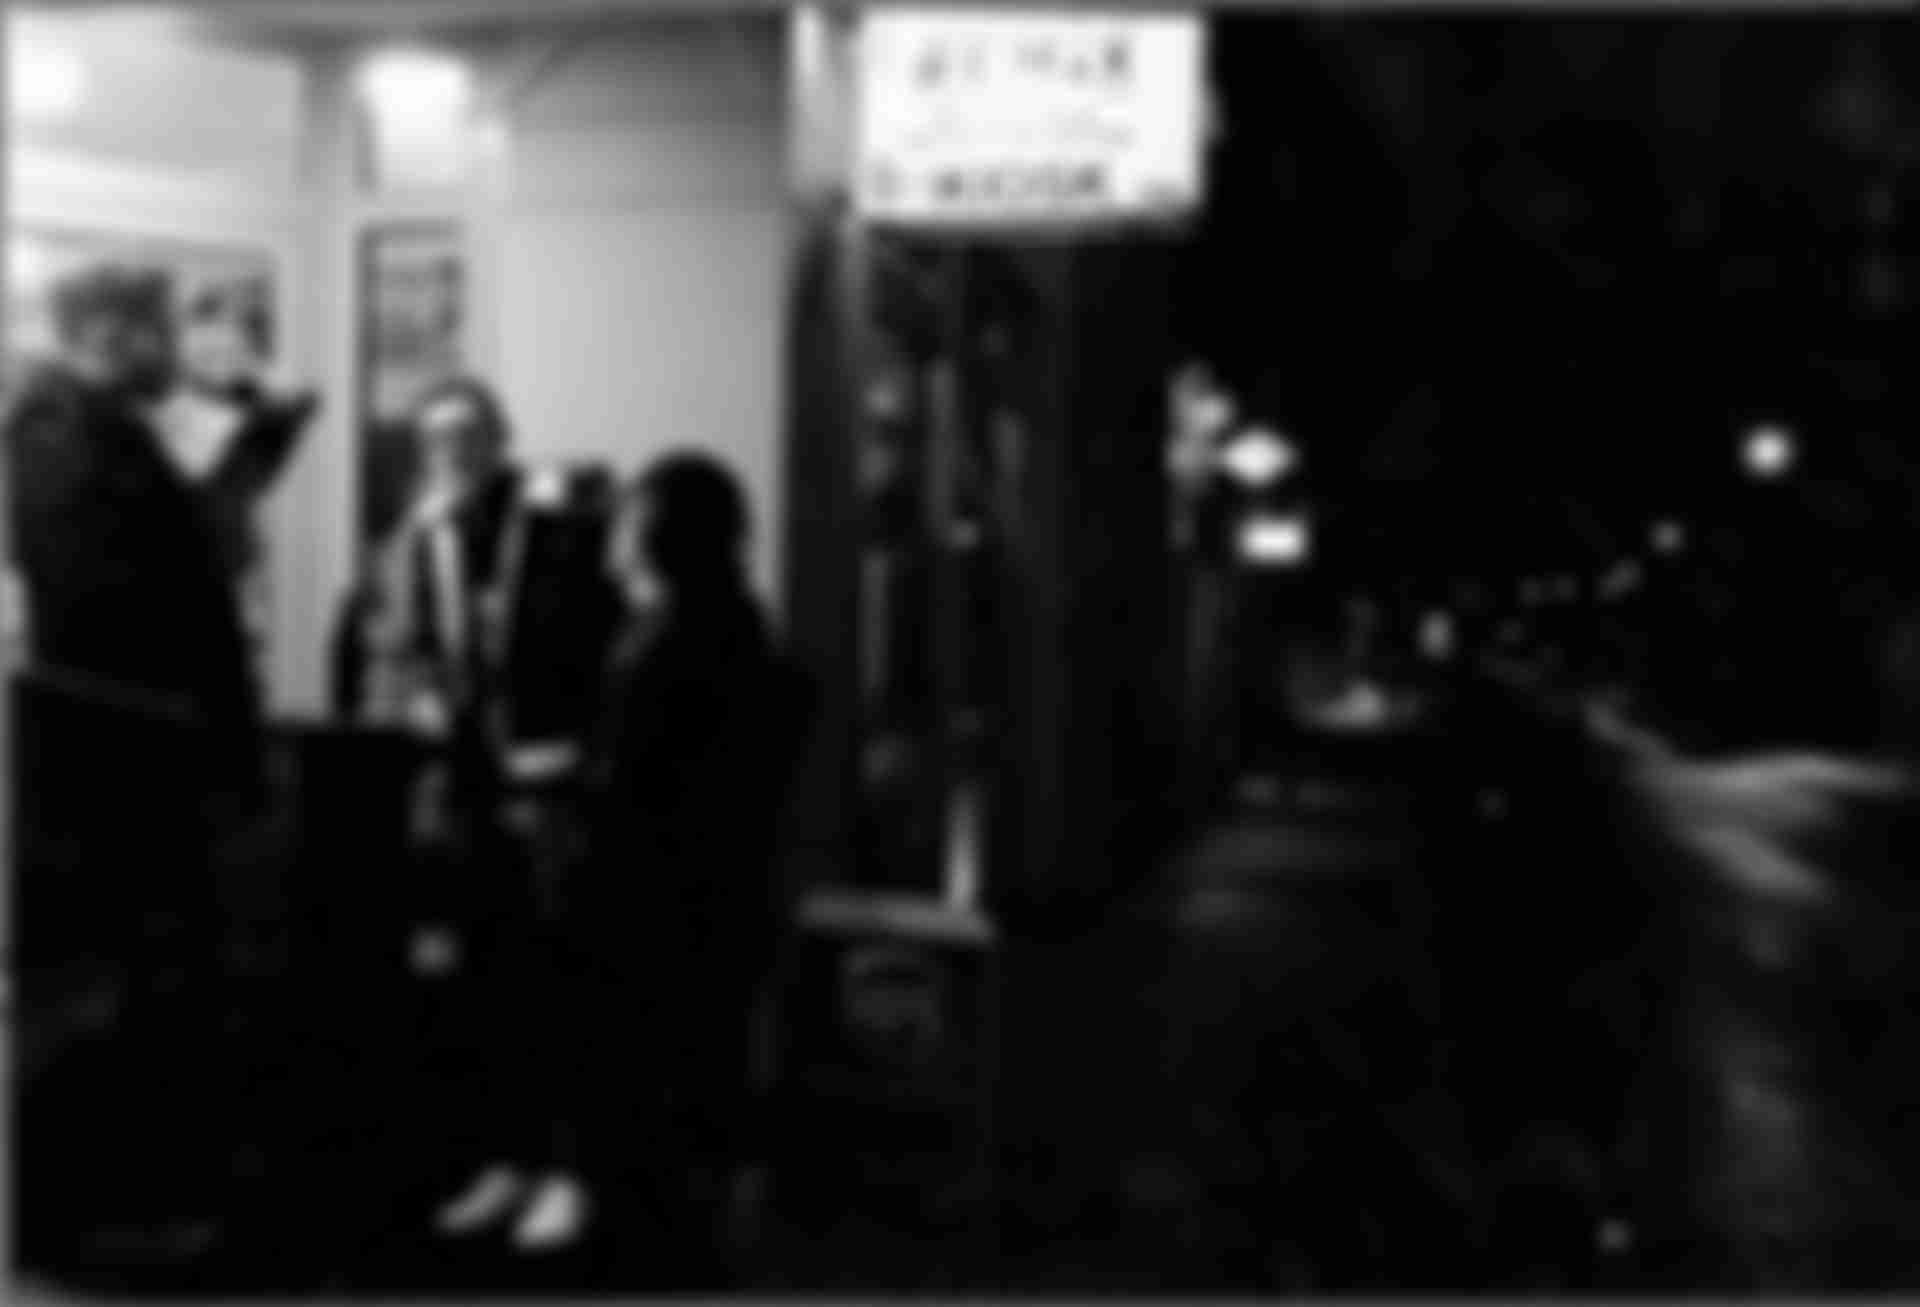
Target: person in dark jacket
[444,572]
[145,745]
[671,918]
[126,584]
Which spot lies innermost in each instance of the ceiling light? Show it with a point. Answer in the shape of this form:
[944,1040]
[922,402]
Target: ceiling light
[1768,452]
[403,83]
[420,108]
[1259,458]
[45,83]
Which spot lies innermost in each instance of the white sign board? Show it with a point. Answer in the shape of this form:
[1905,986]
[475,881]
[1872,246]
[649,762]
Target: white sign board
[1011,119]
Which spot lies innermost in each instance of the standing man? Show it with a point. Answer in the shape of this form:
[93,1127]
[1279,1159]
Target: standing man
[126,585]
[446,570]
[143,737]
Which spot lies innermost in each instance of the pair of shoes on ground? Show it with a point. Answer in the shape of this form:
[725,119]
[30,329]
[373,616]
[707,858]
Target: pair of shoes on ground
[550,1214]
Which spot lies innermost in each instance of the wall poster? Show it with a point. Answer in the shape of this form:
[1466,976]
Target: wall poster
[40,257]
[413,315]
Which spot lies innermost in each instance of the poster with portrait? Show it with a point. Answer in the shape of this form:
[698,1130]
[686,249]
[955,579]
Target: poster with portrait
[412,329]
[238,280]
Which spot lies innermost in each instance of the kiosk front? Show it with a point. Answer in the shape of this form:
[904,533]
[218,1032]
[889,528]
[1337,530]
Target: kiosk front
[977,548]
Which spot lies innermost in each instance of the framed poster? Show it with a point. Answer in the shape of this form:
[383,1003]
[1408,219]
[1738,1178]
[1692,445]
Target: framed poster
[241,278]
[413,314]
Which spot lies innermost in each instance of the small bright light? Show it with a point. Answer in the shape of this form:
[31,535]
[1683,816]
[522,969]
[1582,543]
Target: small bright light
[45,83]
[1768,452]
[1669,537]
[1438,639]
[1259,458]
[417,82]
[1275,542]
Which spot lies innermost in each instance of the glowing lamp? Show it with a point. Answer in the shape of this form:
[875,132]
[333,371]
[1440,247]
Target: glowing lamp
[420,106]
[1274,541]
[44,83]
[1259,458]
[404,83]
[1768,452]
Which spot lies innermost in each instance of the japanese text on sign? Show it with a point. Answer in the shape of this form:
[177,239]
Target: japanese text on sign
[1002,118]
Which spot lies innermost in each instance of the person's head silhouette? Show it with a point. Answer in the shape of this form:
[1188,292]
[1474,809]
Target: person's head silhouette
[692,523]
[115,325]
[462,438]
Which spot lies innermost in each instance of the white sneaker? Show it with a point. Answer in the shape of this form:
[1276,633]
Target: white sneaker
[485,1203]
[555,1217]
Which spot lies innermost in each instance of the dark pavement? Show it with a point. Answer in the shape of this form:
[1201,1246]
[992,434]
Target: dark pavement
[1397,1027]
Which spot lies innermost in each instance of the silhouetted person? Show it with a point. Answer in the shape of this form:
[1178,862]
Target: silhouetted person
[444,570]
[136,643]
[670,921]
[124,572]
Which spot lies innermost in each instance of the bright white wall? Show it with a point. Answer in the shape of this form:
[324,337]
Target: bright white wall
[642,254]
[627,273]
[629,333]
[628,255]
[175,140]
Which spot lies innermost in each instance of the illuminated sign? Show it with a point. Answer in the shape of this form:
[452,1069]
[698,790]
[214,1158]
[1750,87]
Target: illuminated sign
[1275,541]
[1768,453]
[1010,119]
[1259,458]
